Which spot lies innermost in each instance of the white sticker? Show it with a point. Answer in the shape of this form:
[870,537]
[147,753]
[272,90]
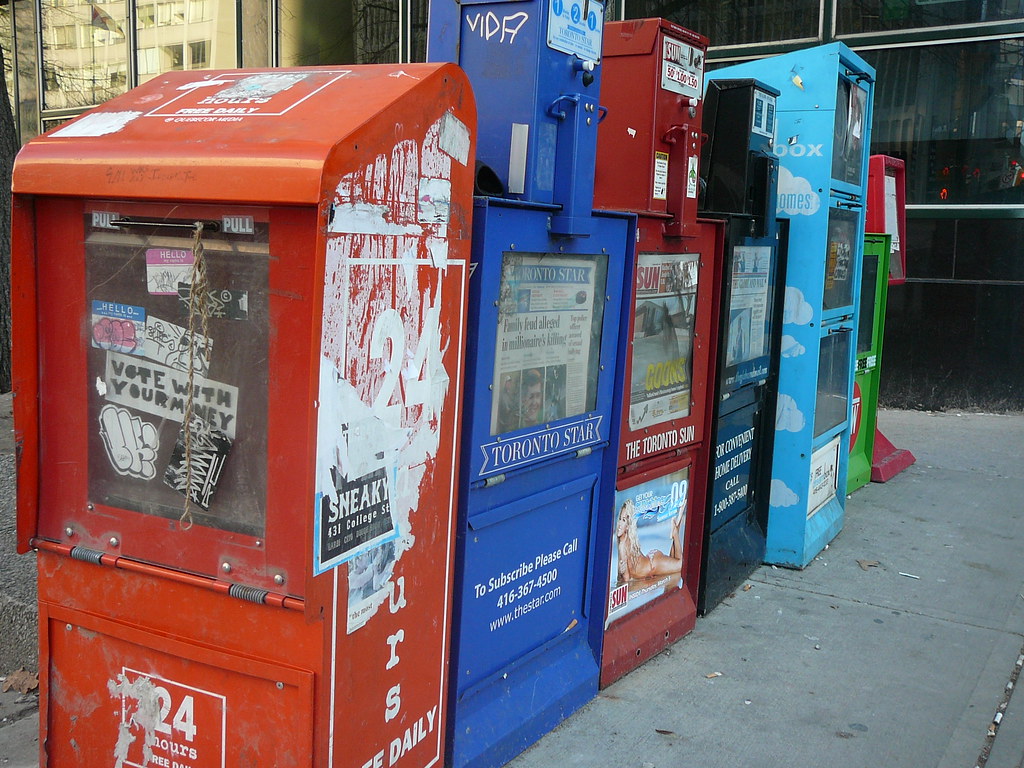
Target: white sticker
[682,68]
[433,201]
[165,268]
[569,32]
[168,343]
[96,124]
[660,191]
[824,476]
[163,392]
[691,177]
[261,86]
[131,443]
[454,138]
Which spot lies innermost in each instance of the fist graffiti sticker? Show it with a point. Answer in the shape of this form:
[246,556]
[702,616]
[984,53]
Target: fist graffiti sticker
[131,443]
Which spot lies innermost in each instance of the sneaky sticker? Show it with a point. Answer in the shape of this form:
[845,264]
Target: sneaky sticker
[203,450]
[169,344]
[221,304]
[130,442]
[166,268]
[118,327]
[356,517]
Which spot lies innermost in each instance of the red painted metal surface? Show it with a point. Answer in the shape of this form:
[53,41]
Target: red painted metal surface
[648,154]
[879,215]
[639,444]
[887,460]
[238,638]
[636,637]
[651,131]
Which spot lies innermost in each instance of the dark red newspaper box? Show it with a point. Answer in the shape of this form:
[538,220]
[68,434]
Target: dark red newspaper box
[648,157]
[238,307]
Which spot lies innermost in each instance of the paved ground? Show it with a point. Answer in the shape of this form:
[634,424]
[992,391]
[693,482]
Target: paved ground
[841,666]
[903,664]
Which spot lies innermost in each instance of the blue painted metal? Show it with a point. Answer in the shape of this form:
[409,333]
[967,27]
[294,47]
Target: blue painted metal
[534,65]
[545,301]
[528,619]
[824,122]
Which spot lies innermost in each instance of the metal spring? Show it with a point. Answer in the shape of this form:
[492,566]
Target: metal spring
[252,594]
[86,555]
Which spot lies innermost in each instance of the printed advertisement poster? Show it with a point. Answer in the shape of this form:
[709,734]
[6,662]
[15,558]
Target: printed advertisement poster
[662,348]
[748,306]
[647,550]
[548,339]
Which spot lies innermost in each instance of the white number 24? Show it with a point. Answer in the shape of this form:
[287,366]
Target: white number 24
[184,718]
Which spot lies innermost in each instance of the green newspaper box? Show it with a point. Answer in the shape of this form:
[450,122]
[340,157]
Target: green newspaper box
[864,406]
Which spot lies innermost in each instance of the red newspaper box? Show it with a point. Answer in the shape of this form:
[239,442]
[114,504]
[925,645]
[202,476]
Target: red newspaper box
[886,211]
[238,304]
[648,154]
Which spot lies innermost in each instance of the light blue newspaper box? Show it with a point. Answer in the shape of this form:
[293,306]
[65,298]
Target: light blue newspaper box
[824,126]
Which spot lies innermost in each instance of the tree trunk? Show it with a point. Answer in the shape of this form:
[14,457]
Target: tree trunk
[8,149]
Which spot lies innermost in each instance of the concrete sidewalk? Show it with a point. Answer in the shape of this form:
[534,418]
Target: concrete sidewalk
[850,663]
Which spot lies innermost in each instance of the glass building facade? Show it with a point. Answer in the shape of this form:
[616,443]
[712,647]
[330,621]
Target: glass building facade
[949,101]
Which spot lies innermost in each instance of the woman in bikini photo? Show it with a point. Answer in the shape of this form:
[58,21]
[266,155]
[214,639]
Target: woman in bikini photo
[633,563]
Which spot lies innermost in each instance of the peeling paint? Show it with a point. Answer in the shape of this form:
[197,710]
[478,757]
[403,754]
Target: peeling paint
[454,138]
[368,219]
[382,378]
[96,124]
[146,715]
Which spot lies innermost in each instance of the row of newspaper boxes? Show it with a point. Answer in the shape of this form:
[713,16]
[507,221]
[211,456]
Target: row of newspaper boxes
[377,415]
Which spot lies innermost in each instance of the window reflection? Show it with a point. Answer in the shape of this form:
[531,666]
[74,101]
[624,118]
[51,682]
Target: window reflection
[185,35]
[85,56]
[855,16]
[735,22]
[955,114]
[84,53]
[348,32]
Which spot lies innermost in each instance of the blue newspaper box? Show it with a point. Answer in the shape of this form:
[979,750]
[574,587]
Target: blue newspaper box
[824,124]
[741,174]
[545,302]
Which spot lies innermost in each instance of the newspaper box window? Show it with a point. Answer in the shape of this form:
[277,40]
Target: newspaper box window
[173,311]
[547,348]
